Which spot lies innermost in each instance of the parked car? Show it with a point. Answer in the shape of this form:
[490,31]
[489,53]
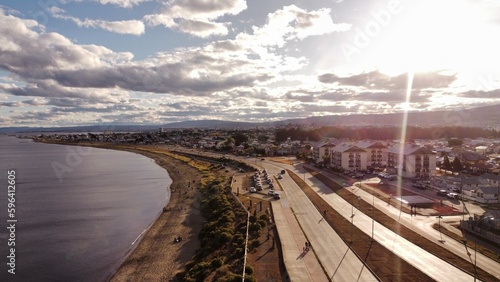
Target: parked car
[419,185]
[271,192]
[276,196]
[252,190]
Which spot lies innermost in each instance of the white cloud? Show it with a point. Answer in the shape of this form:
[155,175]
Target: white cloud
[197,17]
[119,3]
[134,27]
[293,23]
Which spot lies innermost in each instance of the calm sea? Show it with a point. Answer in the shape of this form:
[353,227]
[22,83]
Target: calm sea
[78,210]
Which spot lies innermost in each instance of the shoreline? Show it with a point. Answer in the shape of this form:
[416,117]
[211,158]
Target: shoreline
[156,256]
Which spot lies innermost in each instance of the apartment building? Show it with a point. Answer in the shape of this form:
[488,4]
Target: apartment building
[415,161]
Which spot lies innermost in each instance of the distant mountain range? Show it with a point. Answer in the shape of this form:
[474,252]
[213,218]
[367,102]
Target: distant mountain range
[479,117]
[476,117]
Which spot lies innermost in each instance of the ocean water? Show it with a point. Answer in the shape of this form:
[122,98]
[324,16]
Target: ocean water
[78,210]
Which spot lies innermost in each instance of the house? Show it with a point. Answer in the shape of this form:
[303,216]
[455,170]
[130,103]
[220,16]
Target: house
[415,161]
[487,194]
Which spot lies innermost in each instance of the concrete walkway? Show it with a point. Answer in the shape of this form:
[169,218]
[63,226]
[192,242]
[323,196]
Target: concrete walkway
[301,265]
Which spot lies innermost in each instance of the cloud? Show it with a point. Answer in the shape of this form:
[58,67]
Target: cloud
[134,27]
[119,3]
[377,80]
[293,23]
[50,89]
[197,17]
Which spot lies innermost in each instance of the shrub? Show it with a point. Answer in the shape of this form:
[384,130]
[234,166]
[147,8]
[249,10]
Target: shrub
[253,218]
[262,223]
[249,270]
[255,243]
[199,271]
[255,227]
[264,217]
[216,263]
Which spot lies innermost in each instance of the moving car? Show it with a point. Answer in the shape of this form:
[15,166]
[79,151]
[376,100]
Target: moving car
[442,192]
[280,176]
[452,195]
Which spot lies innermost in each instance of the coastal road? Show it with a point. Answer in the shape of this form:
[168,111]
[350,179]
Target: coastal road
[433,266]
[336,258]
[423,226]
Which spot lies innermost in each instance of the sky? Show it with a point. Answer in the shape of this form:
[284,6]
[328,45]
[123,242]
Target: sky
[81,62]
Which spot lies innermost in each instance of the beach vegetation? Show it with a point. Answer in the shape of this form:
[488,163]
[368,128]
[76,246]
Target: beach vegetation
[222,239]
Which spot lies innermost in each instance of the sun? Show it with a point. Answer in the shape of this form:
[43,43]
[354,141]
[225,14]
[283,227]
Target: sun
[435,35]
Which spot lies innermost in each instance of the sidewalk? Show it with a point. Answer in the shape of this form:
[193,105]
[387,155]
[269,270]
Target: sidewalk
[301,265]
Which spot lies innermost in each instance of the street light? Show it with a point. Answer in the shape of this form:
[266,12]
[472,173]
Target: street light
[373,213]
[440,234]
[469,254]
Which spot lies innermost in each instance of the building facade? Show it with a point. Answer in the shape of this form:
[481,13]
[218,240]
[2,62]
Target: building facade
[415,161]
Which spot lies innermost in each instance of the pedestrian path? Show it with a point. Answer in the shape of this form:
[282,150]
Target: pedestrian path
[301,264]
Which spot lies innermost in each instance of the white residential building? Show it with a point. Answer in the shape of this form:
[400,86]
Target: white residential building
[322,148]
[415,161]
[348,157]
[376,153]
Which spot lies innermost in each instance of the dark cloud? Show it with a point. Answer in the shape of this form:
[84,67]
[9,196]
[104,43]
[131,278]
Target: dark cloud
[479,94]
[378,80]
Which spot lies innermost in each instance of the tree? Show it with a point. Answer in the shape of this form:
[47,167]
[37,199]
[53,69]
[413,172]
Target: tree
[327,160]
[263,138]
[446,163]
[239,138]
[454,142]
[457,165]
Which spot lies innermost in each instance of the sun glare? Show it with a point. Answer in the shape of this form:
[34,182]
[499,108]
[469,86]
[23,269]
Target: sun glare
[434,35]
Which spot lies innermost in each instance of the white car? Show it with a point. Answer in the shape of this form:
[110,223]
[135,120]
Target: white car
[271,192]
[253,190]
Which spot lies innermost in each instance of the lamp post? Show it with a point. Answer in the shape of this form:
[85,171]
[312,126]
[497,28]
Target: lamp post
[352,218]
[440,234]
[373,213]
[469,254]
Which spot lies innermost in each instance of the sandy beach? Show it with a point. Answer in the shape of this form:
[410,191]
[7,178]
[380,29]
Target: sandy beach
[158,257]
